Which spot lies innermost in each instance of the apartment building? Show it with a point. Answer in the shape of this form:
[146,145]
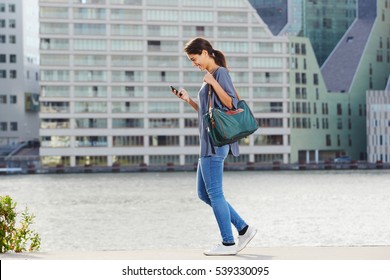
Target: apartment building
[106,68]
[19,74]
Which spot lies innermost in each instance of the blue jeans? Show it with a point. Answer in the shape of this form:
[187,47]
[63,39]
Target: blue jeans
[209,184]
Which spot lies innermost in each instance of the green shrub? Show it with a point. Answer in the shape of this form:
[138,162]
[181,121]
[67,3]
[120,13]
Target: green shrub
[16,239]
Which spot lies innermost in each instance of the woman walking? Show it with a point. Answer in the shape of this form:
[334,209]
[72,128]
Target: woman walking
[211,161]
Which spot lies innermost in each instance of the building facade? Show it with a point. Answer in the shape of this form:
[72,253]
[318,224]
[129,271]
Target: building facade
[19,73]
[106,68]
[378,125]
[325,22]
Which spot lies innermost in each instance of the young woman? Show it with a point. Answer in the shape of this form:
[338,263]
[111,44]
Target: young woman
[211,161]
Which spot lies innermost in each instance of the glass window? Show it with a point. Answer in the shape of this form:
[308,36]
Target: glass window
[127,2]
[267,62]
[54,28]
[90,107]
[198,3]
[158,91]
[91,160]
[163,123]
[192,140]
[12,39]
[89,44]
[13,99]
[127,76]
[127,141]
[90,123]
[89,29]
[55,123]
[3,99]
[128,160]
[267,47]
[89,13]
[165,107]
[126,30]
[3,58]
[13,126]
[12,23]
[55,75]
[126,14]
[195,31]
[3,126]
[126,60]
[91,141]
[268,92]
[55,141]
[3,74]
[127,45]
[232,32]
[11,8]
[163,76]
[12,58]
[127,107]
[90,60]
[237,47]
[90,75]
[265,140]
[163,140]
[197,16]
[54,44]
[3,39]
[231,3]
[236,17]
[55,91]
[162,15]
[12,74]
[127,123]
[267,107]
[126,91]
[160,3]
[191,123]
[163,30]
[54,59]
[54,107]
[53,12]
[163,159]
[90,91]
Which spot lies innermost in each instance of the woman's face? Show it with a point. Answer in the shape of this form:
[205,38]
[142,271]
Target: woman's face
[199,60]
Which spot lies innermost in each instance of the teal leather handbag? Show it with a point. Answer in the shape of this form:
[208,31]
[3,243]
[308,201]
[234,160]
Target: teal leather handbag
[225,127]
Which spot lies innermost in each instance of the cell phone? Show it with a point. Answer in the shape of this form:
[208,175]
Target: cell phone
[175,91]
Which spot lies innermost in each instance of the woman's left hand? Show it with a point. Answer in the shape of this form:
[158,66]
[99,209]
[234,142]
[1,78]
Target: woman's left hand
[209,78]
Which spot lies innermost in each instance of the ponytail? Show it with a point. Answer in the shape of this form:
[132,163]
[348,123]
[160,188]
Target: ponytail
[197,45]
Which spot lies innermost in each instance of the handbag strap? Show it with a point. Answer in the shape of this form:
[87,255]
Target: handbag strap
[238,97]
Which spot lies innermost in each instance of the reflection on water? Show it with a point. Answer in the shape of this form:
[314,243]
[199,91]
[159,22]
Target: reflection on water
[161,210]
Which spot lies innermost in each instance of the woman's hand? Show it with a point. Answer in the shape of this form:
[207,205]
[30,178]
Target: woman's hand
[209,78]
[182,94]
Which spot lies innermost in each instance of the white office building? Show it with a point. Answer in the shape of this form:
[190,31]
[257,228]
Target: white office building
[19,74]
[106,68]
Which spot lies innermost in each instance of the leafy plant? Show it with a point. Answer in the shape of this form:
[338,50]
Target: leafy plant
[16,239]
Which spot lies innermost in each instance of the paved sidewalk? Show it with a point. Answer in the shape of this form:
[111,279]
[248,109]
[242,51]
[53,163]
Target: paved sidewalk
[282,253]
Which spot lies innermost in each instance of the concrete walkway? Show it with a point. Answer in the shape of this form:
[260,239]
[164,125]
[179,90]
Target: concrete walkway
[283,253]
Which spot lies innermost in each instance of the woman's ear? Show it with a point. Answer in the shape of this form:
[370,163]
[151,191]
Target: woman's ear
[206,53]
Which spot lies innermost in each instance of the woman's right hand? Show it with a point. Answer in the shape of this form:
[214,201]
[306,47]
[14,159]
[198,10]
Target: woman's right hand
[183,94]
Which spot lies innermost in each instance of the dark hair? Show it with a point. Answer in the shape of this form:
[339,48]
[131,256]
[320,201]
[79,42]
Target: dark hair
[197,45]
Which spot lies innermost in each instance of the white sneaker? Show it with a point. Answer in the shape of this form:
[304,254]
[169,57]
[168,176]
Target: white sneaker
[221,250]
[243,240]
